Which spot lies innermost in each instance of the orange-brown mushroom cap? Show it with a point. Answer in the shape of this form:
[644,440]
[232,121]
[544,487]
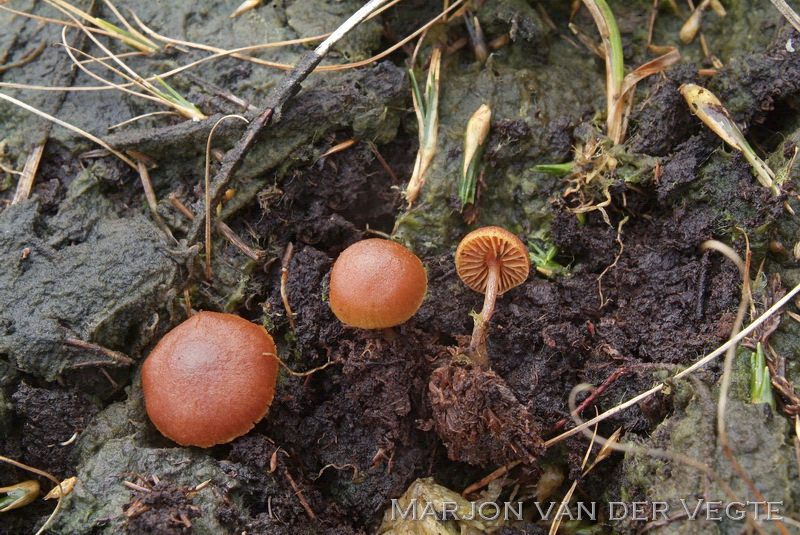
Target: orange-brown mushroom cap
[377,284]
[208,380]
[480,247]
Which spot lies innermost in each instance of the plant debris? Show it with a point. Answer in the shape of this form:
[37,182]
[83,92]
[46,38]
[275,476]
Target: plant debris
[479,419]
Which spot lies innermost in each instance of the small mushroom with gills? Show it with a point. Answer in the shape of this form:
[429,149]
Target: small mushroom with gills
[377,284]
[490,260]
[210,379]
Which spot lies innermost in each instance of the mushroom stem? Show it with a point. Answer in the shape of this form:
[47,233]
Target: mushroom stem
[389,333]
[477,346]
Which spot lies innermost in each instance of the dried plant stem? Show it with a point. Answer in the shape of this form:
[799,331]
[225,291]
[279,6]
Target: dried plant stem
[220,227]
[150,194]
[489,478]
[233,52]
[70,127]
[237,52]
[300,496]
[287,258]
[788,13]
[208,190]
[116,355]
[166,96]
[305,373]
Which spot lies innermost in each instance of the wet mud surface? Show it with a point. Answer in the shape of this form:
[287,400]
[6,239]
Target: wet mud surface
[339,444]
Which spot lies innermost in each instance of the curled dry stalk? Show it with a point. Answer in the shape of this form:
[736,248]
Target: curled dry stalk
[426,108]
[619,87]
[208,190]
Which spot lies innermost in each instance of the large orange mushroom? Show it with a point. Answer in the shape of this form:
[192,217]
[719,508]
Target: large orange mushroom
[490,260]
[210,379]
[377,284]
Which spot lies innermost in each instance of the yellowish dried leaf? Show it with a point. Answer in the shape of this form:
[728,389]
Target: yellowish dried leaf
[56,492]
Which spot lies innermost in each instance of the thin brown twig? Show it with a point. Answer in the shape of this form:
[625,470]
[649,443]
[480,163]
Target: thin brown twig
[383,162]
[603,302]
[489,478]
[235,240]
[187,302]
[26,58]
[592,397]
[97,363]
[299,494]
[339,468]
[150,194]
[175,202]
[220,227]
[287,258]
[285,90]
[306,373]
[116,355]
[110,380]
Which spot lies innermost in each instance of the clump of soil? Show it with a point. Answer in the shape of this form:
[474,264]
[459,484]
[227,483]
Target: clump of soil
[50,418]
[479,419]
[161,509]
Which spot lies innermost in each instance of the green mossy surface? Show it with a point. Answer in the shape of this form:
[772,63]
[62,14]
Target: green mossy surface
[121,442]
[756,434]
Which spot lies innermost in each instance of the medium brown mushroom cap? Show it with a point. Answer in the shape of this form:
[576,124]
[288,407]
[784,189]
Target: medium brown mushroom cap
[377,284]
[480,247]
[208,380]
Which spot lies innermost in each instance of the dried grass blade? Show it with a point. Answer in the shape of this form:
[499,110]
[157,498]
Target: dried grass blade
[69,127]
[28,174]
